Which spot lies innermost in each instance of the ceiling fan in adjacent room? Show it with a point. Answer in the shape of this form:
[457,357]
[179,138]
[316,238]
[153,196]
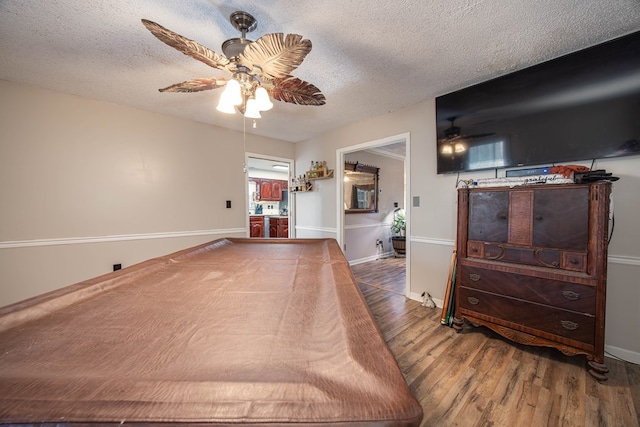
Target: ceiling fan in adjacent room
[259,69]
[454,142]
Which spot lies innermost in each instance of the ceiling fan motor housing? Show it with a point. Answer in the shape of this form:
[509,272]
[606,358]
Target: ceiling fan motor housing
[234,47]
[452,132]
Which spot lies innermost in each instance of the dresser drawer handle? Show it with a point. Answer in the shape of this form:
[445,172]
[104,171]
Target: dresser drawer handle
[474,277]
[473,300]
[502,216]
[536,255]
[538,217]
[570,295]
[568,324]
[573,261]
[490,255]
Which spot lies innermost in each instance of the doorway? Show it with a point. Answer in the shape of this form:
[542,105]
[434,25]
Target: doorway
[267,197]
[395,147]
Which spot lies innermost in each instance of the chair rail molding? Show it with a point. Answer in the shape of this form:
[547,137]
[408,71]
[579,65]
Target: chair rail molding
[117,238]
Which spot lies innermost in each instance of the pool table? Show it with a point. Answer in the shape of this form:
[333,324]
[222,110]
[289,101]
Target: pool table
[233,332]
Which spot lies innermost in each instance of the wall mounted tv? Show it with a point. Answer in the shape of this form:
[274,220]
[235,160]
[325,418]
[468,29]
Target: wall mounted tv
[582,106]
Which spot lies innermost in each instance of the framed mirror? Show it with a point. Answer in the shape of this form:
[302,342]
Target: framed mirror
[360,188]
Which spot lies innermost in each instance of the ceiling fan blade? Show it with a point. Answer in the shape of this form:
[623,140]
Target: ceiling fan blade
[292,89]
[195,85]
[187,46]
[276,55]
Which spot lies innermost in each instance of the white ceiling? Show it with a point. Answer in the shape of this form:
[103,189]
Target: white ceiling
[369,57]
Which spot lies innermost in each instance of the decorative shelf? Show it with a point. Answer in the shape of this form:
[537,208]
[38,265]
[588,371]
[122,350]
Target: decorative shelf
[320,174]
[305,189]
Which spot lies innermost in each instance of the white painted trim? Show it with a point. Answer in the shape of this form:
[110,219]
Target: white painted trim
[414,296]
[428,241]
[627,260]
[417,297]
[386,154]
[363,260]
[374,225]
[621,353]
[116,238]
[311,228]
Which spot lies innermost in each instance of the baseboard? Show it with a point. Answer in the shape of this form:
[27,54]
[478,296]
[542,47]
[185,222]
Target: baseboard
[363,260]
[371,258]
[418,297]
[621,353]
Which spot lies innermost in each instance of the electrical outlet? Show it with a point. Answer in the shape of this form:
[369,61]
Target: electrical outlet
[117,267]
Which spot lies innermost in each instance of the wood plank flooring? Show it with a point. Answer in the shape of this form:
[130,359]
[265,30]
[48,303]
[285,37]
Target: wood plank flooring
[478,378]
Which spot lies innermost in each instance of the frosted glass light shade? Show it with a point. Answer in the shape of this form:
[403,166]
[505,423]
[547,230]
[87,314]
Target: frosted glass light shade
[252,111]
[225,105]
[232,91]
[262,98]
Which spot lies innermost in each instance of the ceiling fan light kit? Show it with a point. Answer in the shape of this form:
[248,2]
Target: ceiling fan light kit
[259,69]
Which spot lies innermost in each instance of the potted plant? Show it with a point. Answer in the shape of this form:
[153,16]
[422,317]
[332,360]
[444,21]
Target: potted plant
[399,228]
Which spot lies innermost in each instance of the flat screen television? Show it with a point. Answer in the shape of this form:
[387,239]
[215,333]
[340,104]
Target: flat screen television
[582,106]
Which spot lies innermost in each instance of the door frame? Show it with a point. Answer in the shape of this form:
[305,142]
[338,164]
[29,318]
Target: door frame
[339,173]
[291,205]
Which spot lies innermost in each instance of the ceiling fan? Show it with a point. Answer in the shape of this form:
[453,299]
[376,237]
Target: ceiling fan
[258,68]
[454,141]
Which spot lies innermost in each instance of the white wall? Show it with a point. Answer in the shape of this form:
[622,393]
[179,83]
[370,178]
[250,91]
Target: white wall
[433,224]
[87,184]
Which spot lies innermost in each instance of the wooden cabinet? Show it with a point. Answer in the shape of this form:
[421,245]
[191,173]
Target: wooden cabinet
[279,227]
[532,264]
[270,190]
[256,226]
[276,190]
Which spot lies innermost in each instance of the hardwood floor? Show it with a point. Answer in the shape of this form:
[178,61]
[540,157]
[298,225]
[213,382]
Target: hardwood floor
[388,274]
[477,378]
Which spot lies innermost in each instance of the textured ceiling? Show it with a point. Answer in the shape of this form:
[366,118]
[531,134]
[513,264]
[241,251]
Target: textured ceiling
[369,57]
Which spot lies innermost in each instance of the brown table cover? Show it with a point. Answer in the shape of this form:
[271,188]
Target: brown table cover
[236,331]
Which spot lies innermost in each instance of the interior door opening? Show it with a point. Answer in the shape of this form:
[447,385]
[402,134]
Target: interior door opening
[371,239]
[268,197]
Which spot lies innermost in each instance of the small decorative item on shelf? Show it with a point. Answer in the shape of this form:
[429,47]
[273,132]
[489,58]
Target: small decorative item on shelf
[319,170]
[300,184]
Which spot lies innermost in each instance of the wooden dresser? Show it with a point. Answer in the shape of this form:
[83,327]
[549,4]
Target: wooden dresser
[532,265]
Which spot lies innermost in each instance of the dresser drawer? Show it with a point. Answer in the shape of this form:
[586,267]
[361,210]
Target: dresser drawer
[563,323]
[552,258]
[565,295]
